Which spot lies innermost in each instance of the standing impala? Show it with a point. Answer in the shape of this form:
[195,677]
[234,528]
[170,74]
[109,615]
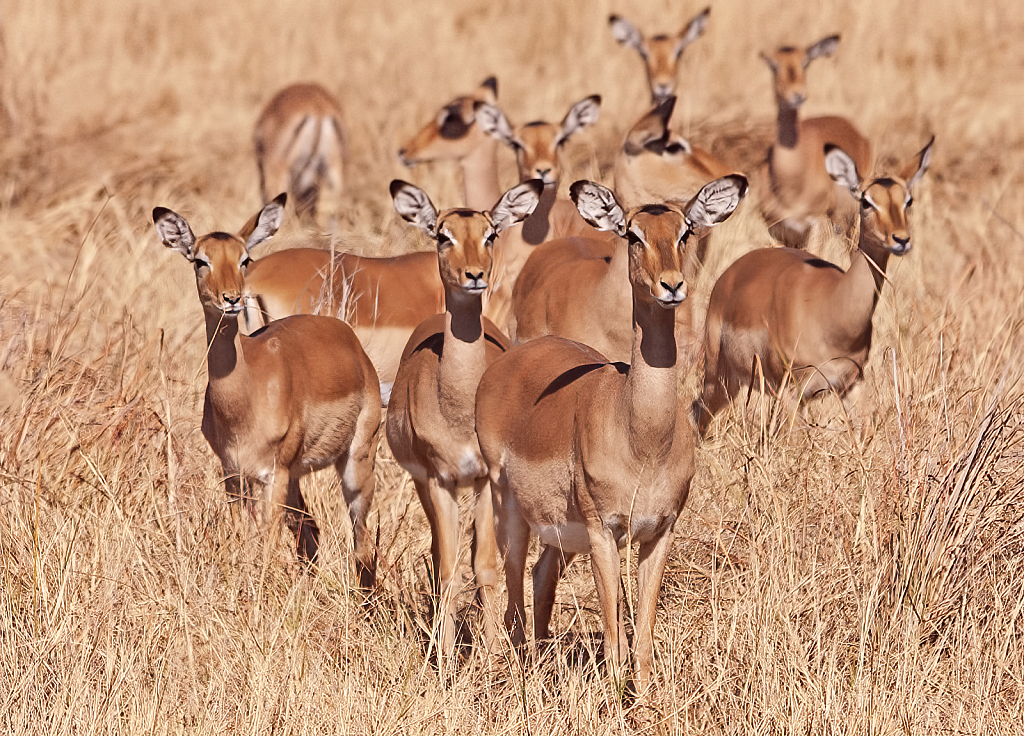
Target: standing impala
[300,149]
[590,455]
[564,290]
[538,147]
[430,423]
[660,53]
[779,312]
[798,189]
[299,396]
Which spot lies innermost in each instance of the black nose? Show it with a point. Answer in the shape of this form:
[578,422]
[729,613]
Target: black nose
[901,241]
[671,288]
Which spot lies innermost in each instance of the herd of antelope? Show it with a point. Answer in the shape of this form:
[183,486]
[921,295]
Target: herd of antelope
[536,356]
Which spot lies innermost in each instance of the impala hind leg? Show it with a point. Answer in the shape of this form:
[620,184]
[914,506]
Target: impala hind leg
[546,574]
[513,536]
[307,533]
[485,555]
[358,485]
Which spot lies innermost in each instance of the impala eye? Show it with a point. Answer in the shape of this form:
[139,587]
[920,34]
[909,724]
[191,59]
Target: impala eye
[245,262]
[674,148]
[202,263]
[910,201]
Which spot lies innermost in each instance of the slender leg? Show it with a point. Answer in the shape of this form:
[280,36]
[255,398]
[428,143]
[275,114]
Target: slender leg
[358,485]
[604,559]
[546,574]
[485,556]
[307,533]
[513,536]
[650,571]
[447,509]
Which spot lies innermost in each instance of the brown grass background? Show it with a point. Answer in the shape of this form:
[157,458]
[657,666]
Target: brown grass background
[823,582]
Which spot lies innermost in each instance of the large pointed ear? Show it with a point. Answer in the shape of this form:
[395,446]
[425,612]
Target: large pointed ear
[626,33]
[825,47]
[264,223]
[413,204]
[174,231]
[770,61]
[716,201]
[488,90]
[583,113]
[842,168]
[492,121]
[694,30]
[516,204]
[598,206]
[914,169]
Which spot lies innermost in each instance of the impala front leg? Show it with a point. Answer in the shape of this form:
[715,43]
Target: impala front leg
[650,571]
[485,565]
[604,559]
[447,509]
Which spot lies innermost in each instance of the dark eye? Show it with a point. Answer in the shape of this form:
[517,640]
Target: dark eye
[202,263]
[865,202]
[910,201]
[245,262]
[443,241]
[674,148]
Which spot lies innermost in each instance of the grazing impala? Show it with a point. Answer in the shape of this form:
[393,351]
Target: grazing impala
[565,290]
[779,312]
[430,423]
[300,149]
[298,396]
[660,53]
[798,189]
[454,135]
[589,454]
[538,147]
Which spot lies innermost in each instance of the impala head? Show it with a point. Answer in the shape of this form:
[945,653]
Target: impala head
[452,134]
[652,135]
[789,67]
[658,233]
[884,202]
[465,238]
[660,53]
[538,145]
[220,259]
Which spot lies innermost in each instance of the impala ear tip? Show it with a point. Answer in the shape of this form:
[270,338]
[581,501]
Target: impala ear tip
[396,186]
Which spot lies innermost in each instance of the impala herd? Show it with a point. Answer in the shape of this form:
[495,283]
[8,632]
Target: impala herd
[536,356]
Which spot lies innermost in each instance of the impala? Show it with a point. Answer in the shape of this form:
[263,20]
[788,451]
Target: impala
[296,397]
[300,149]
[564,290]
[588,454]
[454,135]
[798,189]
[660,53]
[538,147]
[430,422]
[779,312]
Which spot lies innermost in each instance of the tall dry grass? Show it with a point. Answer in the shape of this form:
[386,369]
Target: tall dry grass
[824,580]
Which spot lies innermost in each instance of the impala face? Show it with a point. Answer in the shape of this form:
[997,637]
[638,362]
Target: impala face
[453,133]
[465,240]
[789,68]
[657,236]
[538,145]
[220,259]
[660,53]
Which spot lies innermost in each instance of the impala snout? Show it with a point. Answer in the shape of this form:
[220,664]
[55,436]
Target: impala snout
[474,282]
[671,290]
[661,92]
[545,175]
[901,244]
[406,161]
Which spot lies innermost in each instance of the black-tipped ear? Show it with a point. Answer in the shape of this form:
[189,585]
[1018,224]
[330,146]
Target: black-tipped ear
[491,83]
[841,167]
[716,201]
[918,165]
[174,231]
[598,206]
[516,204]
[413,204]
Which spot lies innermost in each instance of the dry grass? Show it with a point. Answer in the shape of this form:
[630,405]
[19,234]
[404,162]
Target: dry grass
[824,581]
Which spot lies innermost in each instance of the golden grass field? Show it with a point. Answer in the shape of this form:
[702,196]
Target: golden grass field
[823,581]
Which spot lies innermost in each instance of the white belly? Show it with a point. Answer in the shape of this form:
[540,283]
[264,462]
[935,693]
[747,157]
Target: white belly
[571,537]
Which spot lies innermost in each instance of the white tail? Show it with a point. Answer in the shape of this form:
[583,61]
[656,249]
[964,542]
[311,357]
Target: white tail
[589,455]
[300,396]
[779,312]
[797,188]
[300,149]
[430,423]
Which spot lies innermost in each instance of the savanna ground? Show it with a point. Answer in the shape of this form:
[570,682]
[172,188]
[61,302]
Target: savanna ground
[824,580]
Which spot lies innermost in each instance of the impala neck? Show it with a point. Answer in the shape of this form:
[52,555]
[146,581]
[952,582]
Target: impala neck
[650,396]
[463,357]
[480,175]
[788,126]
[225,360]
[856,296]
[537,225]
